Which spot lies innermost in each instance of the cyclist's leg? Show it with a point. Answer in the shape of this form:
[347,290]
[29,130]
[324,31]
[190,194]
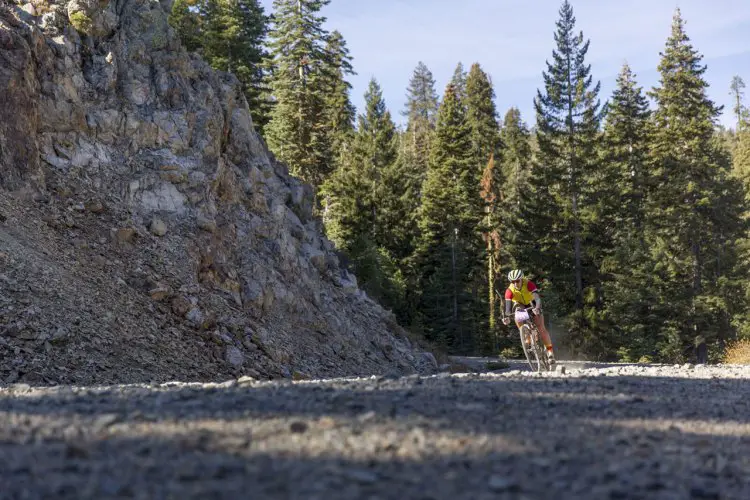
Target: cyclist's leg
[539,322]
[526,340]
[519,325]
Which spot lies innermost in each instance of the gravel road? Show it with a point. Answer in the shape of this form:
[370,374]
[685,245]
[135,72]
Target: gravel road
[602,432]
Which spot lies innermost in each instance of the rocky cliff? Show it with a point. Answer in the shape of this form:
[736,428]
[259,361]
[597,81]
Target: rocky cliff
[146,233]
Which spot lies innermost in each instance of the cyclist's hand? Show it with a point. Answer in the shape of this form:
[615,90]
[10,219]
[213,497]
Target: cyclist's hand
[537,311]
[506,321]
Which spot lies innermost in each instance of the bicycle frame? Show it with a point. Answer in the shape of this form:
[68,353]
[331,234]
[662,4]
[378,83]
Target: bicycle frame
[530,340]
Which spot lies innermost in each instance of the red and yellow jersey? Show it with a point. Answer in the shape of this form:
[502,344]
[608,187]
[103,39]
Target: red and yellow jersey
[523,295]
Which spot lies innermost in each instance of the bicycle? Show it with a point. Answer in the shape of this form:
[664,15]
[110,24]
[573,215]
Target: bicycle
[531,341]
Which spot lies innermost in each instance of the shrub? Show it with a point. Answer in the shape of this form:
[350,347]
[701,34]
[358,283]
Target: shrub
[512,352]
[738,353]
[81,22]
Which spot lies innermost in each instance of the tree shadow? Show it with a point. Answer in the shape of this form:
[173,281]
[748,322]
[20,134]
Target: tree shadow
[438,437]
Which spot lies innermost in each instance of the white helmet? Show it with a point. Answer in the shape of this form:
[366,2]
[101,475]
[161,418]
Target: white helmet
[515,274]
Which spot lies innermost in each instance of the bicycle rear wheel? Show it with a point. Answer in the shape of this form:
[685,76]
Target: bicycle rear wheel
[540,350]
[541,354]
[530,350]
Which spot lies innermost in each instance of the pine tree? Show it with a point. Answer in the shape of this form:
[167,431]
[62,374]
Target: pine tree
[186,23]
[621,189]
[692,213]
[347,209]
[421,112]
[373,150]
[738,91]
[340,110]
[354,195]
[490,193]
[376,133]
[623,186]
[568,118]
[229,34]
[518,238]
[482,116]
[232,41]
[741,142]
[459,81]
[421,99]
[485,138]
[297,133]
[740,149]
[516,140]
[449,249]
[741,157]
[410,171]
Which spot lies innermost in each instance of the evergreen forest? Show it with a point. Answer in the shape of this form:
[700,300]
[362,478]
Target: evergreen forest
[629,211]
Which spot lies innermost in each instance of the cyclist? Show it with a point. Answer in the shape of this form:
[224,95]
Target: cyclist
[523,292]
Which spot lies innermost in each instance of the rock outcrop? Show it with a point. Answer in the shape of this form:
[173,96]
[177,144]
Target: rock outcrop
[146,233]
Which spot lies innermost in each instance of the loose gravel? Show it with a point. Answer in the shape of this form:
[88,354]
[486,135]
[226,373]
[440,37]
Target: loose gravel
[670,432]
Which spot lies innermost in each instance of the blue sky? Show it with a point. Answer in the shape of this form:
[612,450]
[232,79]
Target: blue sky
[512,39]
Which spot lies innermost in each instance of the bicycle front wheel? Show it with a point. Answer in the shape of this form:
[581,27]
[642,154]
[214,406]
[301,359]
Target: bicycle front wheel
[529,349]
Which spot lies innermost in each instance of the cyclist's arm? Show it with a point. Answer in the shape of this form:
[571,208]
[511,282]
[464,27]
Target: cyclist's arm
[537,300]
[508,301]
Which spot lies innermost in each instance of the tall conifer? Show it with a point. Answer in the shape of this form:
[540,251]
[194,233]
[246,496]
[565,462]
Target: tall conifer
[449,245]
[340,112]
[568,118]
[481,115]
[692,214]
[230,35]
[518,237]
[298,133]
[354,198]
[421,112]
[620,202]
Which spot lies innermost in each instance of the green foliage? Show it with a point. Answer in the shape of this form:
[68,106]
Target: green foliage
[636,231]
[357,204]
[346,197]
[695,233]
[186,21]
[449,250]
[490,227]
[741,157]
[518,238]
[377,273]
[740,111]
[459,82]
[618,208]
[422,99]
[481,115]
[311,115]
[620,187]
[340,112]
[81,22]
[557,208]
[233,42]
[421,111]
[230,35]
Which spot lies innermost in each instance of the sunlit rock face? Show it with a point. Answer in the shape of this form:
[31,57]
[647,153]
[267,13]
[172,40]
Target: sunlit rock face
[108,124]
